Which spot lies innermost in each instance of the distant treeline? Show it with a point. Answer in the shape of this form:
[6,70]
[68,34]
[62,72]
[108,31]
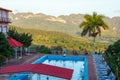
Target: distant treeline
[53,38]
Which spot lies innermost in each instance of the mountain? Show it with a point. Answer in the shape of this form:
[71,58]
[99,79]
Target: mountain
[44,22]
[64,23]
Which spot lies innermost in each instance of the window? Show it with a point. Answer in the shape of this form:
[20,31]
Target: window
[4,14]
[0,13]
[4,29]
[0,28]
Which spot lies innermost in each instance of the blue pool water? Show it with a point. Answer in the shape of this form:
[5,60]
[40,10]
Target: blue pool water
[78,64]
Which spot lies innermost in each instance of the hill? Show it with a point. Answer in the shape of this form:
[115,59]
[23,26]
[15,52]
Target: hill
[68,24]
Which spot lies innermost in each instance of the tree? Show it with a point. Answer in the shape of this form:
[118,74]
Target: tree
[24,38]
[112,56]
[5,49]
[92,26]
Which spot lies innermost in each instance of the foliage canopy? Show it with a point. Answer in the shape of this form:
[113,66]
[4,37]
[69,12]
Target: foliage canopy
[112,56]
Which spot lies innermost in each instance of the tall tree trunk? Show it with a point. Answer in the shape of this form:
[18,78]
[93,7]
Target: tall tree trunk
[94,42]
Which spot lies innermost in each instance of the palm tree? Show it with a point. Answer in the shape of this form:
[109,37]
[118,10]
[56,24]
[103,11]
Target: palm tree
[92,26]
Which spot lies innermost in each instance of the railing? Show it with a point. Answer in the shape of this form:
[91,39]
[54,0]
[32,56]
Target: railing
[4,19]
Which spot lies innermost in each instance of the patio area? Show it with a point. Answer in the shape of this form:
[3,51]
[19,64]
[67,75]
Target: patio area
[32,57]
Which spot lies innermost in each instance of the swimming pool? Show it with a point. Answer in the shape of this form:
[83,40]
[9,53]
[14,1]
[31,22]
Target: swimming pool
[78,63]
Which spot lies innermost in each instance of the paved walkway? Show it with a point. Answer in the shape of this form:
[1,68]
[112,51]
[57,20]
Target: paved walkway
[91,69]
[24,60]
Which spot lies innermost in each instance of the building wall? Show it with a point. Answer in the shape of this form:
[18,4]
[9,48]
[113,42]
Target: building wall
[3,27]
[3,21]
[4,17]
[4,13]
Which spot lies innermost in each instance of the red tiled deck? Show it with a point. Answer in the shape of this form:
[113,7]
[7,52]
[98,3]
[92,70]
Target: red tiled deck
[91,69]
[40,69]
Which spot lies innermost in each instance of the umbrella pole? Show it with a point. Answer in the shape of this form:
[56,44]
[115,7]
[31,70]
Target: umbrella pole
[15,52]
[21,51]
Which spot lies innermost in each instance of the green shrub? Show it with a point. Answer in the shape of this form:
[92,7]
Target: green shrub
[44,49]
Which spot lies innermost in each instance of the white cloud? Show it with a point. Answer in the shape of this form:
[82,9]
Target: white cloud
[58,7]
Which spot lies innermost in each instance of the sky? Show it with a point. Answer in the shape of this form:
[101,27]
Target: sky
[108,8]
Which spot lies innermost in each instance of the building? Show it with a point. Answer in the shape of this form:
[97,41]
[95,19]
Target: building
[4,20]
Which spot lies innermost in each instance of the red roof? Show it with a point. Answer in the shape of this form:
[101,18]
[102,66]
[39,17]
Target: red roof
[14,43]
[40,69]
[5,9]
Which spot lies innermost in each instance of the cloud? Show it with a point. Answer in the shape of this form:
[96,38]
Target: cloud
[117,11]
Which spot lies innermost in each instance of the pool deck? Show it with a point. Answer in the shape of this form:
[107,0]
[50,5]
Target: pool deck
[24,60]
[30,58]
[91,69]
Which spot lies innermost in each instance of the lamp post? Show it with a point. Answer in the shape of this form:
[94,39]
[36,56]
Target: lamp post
[64,52]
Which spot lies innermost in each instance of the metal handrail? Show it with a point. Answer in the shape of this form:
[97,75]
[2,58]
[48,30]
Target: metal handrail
[4,19]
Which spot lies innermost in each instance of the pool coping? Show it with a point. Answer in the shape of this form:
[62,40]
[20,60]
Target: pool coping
[91,68]
[86,75]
